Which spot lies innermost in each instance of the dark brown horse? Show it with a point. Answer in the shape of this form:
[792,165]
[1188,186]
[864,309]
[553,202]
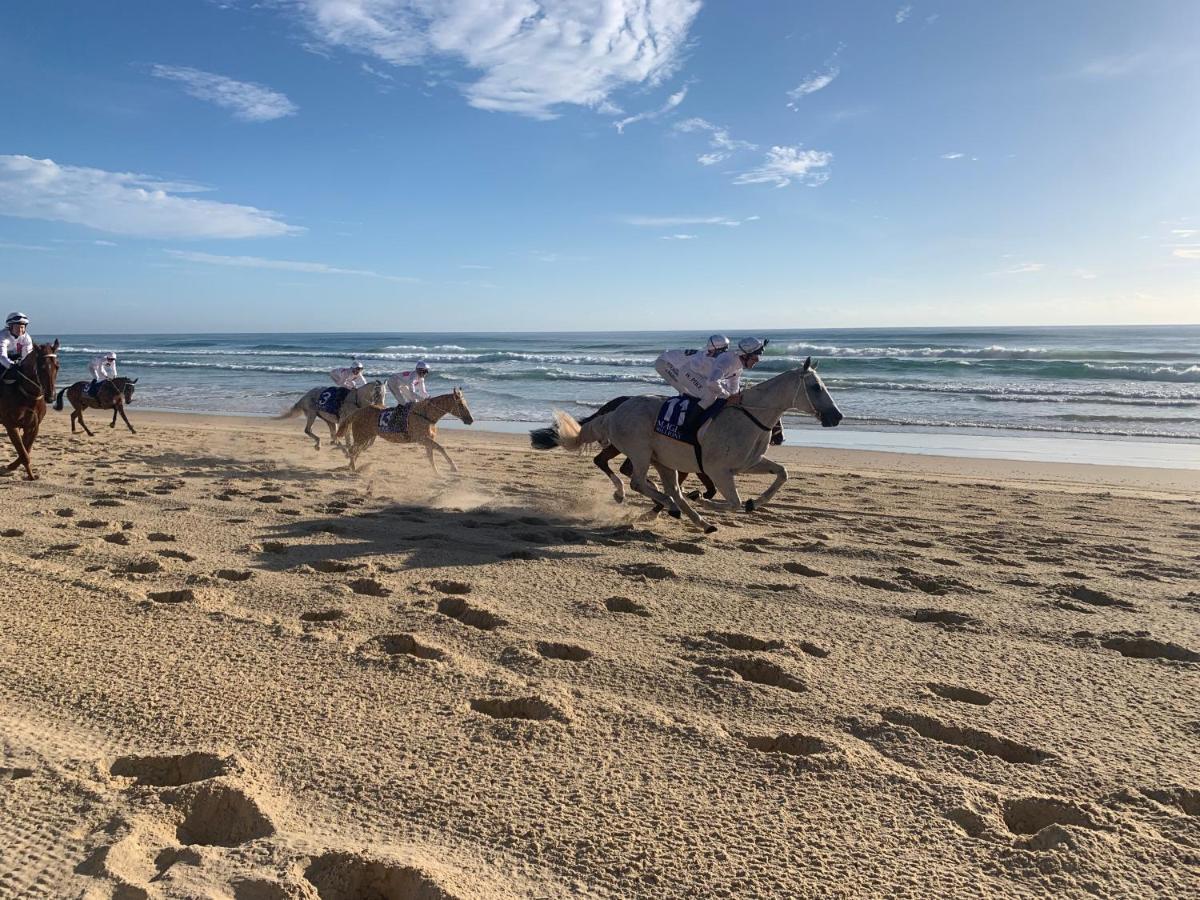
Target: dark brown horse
[24,392]
[112,394]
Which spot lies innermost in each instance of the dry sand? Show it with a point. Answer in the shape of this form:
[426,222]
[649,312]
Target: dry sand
[229,668]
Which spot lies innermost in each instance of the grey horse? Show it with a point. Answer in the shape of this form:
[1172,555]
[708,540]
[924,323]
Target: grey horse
[370,394]
[734,443]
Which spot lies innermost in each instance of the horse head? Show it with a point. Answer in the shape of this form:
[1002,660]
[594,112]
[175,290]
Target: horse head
[374,390]
[813,397]
[47,368]
[127,390]
[460,407]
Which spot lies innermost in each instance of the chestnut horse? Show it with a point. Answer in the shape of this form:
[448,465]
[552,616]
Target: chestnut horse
[111,394]
[423,416]
[23,401]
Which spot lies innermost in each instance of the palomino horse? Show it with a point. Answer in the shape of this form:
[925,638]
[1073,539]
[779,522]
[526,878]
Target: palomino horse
[370,394]
[23,401]
[421,427]
[112,394]
[735,442]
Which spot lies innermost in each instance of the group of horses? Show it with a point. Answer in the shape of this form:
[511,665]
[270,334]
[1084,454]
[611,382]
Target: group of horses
[734,442]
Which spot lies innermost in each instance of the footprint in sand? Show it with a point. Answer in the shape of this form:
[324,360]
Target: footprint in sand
[11,532]
[565,652]
[804,751]
[402,645]
[369,587]
[685,547]
[457,588]
[324,616]
[172,770]
[1092,596]
[92,523]
[340,875]
[462,611]
[796,568]
[650,571]
[960,694]
[736,641]
[332,566]
[183,595]
[140,567]
[235,574]
[752,669]
[968,738]
[118,537]
[881,584]
[176,554]
[944,618]
[1042,820]
[1140,645]
[625,605]
[533,709]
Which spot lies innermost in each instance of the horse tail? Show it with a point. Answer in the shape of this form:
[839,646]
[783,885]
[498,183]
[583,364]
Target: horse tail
[294,411]
[58,404]
[565,433]
[349,421]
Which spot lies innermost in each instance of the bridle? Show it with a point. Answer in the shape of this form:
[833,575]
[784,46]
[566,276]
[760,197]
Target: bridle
[803,385]
[41,390]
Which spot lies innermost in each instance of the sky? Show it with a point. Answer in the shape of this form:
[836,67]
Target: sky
[468,165]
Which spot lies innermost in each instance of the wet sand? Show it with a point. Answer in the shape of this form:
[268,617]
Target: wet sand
[230,668]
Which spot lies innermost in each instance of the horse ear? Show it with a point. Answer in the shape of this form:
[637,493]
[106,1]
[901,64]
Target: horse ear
[807,364]
[814,367]
[56,345]
[133,381]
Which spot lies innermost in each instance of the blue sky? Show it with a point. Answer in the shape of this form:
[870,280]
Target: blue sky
[581,164]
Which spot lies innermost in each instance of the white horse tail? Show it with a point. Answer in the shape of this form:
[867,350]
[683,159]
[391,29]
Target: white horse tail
[565,433]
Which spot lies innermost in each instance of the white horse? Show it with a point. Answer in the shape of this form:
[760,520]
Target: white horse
[370,394]
[734,443]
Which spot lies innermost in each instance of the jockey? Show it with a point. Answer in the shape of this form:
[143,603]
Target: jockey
[349,378]
[409,387]
[750,351]
[670,364]
[15,344]
[103,368]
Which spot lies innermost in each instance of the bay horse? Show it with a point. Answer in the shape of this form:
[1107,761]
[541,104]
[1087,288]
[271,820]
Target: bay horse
[369,395]
[421,427]
[734,443]
[23,401]
[111,394]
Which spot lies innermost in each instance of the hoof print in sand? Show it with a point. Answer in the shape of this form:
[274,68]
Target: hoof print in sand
[533,709]
[140,567]
[161,537]
[334,566]
[795,568]
[567,652]
[1141,646]
[735,641]
[684,547]
[351,876]
[220,815]
[758,671]
[323,616]
[960,694]
[967,738]
[401,645]
[651,571]
[806,751]
[235,574]
[881,584]
[172,770]
[1093,597]
[183,595]
[625,605]
[457,588]
[949,619]
[180,555]
[476,617]
[368,587]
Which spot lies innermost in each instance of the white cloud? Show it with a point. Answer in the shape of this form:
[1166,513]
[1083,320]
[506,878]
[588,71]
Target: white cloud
[677,221]
[1188,252]
[124,203]
[673,101]
[719,139]
[8,245]
[1114,66]
[1185,232]
[473,266]
[679,237]
[258,262]
[812,84]
[534,55]
[1021,269]
[952,156]
[783,165]
[903,13]
[247,101]
[104,243]
[1086,274]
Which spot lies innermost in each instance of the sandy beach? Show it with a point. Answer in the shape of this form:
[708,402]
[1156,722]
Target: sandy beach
[229,668]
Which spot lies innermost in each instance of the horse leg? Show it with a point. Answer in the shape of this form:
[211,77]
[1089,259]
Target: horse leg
[113,423]
[766,467]
[670,480]
[121,409]
[429,452]
[79,415]
[312,417]
[442,450]
[22,454]
[601,461]
[725,483]
[639,480]
[333,427]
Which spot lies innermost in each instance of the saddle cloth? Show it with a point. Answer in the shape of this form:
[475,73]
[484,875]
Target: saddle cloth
[681,418]
[331,400]
[395,419]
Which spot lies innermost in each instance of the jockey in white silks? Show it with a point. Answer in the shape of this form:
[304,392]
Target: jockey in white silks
[349,378]
[103,368]
[409,387]
[15,344]
[671,363]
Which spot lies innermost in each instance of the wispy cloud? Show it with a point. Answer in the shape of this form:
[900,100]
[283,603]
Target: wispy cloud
[473,266]
[673,101]
[247,101]
[288,265]
[124,203]
[783,165]
[1187,252]
[678,221]
[952,156]
[1114,66]
[8,245]
[679,237]
[534,56]
[810,85]
[719,139]
[1021,269]
[1085,274]
[903,13]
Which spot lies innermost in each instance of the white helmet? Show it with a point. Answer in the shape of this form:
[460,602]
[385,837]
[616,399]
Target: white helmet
[751,346]
[17,318]
[718,342]
[112,357]
[422,366]
[356,366]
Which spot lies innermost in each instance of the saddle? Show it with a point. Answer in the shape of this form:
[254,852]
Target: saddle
[331,400]
[394,420]
[681,418]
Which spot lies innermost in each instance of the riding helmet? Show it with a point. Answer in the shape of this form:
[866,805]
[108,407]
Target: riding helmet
[17,318]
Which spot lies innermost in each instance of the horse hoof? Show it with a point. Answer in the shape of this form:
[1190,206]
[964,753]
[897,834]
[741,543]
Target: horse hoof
[675,514]
[619,498]
[694,495]
[709,529]
[709,495]
[750,506]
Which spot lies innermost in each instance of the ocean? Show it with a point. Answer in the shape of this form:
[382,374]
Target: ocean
[1114,383]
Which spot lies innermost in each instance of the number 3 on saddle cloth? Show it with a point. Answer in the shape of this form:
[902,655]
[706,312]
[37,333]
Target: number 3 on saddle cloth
[395,420]
[331,400]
